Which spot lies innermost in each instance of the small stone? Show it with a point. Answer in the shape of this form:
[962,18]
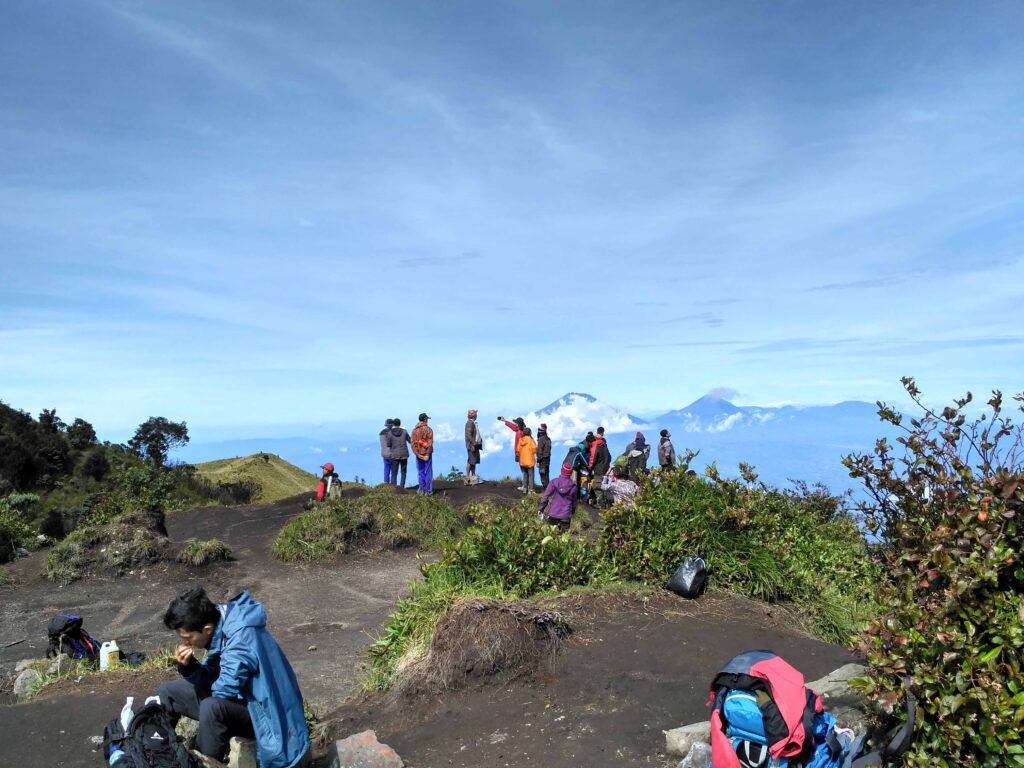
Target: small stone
[311,648]
[699,756]
[95,740]
[24,664]
[241,753]
[25,682]
[362,750]
[679,741]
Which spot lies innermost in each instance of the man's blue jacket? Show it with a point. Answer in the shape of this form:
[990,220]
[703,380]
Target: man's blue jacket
[245,662]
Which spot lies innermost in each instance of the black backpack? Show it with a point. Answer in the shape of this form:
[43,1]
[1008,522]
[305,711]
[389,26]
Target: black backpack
[149,742]
[67,636]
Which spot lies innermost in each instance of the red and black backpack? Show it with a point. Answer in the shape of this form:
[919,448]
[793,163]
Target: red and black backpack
[787,707]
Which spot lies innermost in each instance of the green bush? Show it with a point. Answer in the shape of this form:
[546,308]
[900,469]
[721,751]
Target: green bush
[399,520]
[403,519]
[110,549]
[770,544]
[5,577]
[197,552]
[317,534]
[948,506]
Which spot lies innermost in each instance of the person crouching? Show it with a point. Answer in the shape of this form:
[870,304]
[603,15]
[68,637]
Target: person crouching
[243,687]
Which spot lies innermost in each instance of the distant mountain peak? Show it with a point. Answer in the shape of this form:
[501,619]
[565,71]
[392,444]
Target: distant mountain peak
[566,399]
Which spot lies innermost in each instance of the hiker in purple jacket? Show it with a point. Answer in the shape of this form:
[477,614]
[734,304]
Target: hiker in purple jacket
[560,499]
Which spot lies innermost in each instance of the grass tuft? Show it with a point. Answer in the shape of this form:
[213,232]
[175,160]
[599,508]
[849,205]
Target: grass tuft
[198,552]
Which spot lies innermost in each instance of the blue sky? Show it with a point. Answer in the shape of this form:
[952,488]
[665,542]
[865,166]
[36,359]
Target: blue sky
[257,215]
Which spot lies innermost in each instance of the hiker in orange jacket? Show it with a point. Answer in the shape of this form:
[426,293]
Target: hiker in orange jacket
[423,448]
[517,425]
[527,459]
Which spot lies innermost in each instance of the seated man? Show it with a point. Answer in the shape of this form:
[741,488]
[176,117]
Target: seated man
[245,685]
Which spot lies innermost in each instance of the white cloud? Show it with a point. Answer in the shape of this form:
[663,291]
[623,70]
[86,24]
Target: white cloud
[727,423]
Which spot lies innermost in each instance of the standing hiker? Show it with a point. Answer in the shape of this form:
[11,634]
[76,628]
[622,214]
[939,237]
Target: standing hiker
[666,452]
[543,454]
[385,448]
[474,442]
[578,459]
[423,448]
[527,459]
[600,461]
[399,452]
[517,425]
[637,461]
[243,687]
[560,499]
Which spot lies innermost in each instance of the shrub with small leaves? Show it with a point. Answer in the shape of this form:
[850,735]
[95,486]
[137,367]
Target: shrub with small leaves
[947,505]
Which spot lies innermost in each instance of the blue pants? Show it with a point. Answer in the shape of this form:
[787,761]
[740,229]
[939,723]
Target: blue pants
[387,470]
[425,475]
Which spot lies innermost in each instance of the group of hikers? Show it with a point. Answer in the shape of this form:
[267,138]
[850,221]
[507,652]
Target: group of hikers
[590,460]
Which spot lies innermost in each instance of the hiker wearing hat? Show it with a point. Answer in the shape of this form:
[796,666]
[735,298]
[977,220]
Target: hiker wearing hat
[666,452]
[527,459]
[517,425]
[399,441]
[385,448]
[560,499]
[423,449]
[474,442]
[543,454]
[600,461]
[638,454]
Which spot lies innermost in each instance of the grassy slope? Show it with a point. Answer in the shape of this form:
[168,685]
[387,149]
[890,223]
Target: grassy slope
[276,477]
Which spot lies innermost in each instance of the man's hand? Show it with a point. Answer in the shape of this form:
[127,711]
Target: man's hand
[183,653]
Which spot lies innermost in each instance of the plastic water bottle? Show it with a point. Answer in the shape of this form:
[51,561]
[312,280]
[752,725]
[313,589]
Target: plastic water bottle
[109,654]
[117,757]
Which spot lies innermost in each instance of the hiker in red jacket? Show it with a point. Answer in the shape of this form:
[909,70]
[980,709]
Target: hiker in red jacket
[517,425]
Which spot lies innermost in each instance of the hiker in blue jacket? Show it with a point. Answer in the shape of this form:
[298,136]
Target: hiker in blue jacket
[244,687]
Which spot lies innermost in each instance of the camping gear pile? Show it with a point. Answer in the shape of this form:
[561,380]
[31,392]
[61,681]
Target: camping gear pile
[763,716]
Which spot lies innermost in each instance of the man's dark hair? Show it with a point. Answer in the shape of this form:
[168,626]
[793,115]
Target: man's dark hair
[192,610]
[398,422]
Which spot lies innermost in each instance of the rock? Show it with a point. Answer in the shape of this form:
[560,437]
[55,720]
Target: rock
[25,682]
[679,741]
[61,665]
[363,751]
[846,703]
[186,730]
[837,683]
[699,756]
[24,664]
[21,552]
[241,753]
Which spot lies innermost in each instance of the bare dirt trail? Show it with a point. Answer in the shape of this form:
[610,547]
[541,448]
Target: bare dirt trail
[631,668]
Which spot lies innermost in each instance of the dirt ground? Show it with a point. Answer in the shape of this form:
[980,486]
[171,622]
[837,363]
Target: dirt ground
[632,667]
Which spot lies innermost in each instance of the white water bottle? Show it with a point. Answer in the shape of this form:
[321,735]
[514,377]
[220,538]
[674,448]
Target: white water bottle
[110,654]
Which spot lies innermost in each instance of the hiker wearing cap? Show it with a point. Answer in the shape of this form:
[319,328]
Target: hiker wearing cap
[543,454]
[244,686]
[323,488]
[666,452]
[385,448]
[527,459]
[560,499]
[517,425]
[399,441]
[423,449]
[474,442]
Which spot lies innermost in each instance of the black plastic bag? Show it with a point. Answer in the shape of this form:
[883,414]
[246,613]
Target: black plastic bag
[689,578]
